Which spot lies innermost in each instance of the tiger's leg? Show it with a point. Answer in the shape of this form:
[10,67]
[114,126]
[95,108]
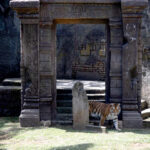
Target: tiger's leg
[102,120]
[115,122]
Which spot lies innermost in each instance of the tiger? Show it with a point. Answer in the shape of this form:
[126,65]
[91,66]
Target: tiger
[105,111]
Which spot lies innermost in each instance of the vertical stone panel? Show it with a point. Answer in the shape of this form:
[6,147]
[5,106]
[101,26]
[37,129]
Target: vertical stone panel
[30,58]
[29,74]
[116,40]
[47,67]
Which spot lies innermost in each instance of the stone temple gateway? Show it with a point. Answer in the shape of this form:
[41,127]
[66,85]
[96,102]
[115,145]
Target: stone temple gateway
[38,53]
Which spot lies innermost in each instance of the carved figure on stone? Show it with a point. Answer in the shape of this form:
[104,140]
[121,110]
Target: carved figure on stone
[130,34]
[105,111]
[30,87]
[133,76]
[30,91]
[80,106]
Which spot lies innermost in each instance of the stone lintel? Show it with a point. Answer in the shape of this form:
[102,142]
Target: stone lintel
[81,1]
[25,6]
[133,6]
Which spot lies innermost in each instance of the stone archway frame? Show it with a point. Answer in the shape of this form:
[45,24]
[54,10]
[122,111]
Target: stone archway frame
[38,53]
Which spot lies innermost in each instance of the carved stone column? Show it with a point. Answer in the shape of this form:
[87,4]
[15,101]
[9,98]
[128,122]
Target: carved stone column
[116,41]
[131,14]
[28,14]
[47,67]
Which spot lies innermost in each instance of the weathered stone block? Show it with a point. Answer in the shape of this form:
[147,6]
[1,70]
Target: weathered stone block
[29,118]
[80,106]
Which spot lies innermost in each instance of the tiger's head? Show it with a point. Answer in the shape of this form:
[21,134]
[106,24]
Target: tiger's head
[115,108]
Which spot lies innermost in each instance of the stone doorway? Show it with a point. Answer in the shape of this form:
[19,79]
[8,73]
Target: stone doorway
[38,53]
[81,56]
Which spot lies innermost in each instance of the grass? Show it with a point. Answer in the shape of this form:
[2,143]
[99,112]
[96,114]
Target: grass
[13,137]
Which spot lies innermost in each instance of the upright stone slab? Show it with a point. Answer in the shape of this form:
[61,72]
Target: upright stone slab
[80,106]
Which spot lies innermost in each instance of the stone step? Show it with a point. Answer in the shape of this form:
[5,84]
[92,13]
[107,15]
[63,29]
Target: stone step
[144,104]
[88,91]
[96,96]
[146,123]
[63,110]
[64,117]
[64,103]
[98,100]
[12,82]
[64,96]
[145,113]
[95,91]
[64,91]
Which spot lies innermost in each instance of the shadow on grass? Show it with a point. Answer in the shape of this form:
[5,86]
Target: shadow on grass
[4,120]
[9,127]
[74,147]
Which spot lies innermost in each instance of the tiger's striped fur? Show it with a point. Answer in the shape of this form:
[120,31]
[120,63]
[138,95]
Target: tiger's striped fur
[105,111]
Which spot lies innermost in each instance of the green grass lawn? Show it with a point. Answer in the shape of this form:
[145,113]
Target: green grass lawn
[12,137]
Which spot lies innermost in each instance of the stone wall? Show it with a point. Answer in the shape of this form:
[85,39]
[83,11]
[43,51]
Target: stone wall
[81,51]
[9,41]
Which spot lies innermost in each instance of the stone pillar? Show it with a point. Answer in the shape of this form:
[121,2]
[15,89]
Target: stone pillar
[47,67]
[28,14]
[80,106]
[116,41]
[131,61]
